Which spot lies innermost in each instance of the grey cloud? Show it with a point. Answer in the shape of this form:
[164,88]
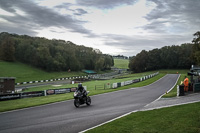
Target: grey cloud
[105,4]
[181,15]
[20,29]
[80,12]
[40,17]
[135,44]
[64,5]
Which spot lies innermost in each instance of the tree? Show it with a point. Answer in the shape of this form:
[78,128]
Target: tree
[7,49]
[168,57]
[154,61]
[139,63]
[196,47]
[99,64]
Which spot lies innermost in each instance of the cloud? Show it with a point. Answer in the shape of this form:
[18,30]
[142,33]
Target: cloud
[131,45]
[80,12]
[174,16]
[105,4]
[19,29]
[36,17]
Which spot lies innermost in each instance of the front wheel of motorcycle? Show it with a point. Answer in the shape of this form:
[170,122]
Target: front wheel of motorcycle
[76,103]
[88,101]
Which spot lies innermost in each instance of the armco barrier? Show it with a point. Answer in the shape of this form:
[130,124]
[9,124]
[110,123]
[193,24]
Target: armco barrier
[119,84]
[115,85]
[128,82]
[122,83]
[136,80]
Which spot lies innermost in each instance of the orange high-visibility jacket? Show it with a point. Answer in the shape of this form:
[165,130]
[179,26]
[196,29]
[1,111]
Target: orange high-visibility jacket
[186,81]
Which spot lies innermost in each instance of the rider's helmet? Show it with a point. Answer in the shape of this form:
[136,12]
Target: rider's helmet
[79,85]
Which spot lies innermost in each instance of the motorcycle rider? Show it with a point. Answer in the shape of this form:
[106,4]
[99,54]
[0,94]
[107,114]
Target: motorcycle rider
[82,90]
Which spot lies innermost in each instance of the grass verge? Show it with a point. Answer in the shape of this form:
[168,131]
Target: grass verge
[173,92]
[178,119]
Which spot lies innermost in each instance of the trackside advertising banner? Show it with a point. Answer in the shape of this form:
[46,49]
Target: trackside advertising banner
[36,93]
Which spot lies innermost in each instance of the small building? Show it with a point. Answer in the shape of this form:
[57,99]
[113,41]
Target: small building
[7,85]
[89,71]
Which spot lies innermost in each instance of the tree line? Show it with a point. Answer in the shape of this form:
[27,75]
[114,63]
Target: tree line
[52,55]
[168,57]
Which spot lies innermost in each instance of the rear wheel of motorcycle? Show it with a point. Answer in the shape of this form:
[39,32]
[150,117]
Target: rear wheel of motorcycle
[88,102]
[76,103]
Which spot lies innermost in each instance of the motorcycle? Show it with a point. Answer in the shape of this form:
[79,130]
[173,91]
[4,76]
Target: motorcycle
[79,99]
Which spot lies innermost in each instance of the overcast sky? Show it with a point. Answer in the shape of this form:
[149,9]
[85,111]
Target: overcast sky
[113,26]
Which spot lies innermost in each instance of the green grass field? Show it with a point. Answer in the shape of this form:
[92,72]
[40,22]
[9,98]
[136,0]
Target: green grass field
[121,63]
[25,73]
[178,119]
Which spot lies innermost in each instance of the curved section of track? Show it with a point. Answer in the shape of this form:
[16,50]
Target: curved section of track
[63,117]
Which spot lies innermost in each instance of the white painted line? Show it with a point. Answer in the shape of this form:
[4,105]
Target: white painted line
[135,112]
[107,121]
[166,106]
[164,93]
[175,83]
[128,112]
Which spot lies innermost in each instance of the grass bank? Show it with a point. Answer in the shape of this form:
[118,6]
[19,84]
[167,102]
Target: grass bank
[25,73]
[178,119]
[121,63]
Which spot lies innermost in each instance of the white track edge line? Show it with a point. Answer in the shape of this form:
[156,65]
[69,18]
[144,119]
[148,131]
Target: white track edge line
[131,111]
[135,112]
[164,93]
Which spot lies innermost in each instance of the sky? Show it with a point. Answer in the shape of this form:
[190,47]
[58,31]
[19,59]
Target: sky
[124,27]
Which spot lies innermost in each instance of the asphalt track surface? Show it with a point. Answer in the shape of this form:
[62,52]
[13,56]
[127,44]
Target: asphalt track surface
[63,117]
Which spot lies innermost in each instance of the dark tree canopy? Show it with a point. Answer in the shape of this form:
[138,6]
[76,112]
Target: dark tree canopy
[168,57]
[51,55]
[196,48]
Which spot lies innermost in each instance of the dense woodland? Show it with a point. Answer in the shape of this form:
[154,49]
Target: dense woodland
[51,55]
[168,57]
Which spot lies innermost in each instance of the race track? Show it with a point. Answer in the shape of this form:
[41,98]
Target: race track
[63,117]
